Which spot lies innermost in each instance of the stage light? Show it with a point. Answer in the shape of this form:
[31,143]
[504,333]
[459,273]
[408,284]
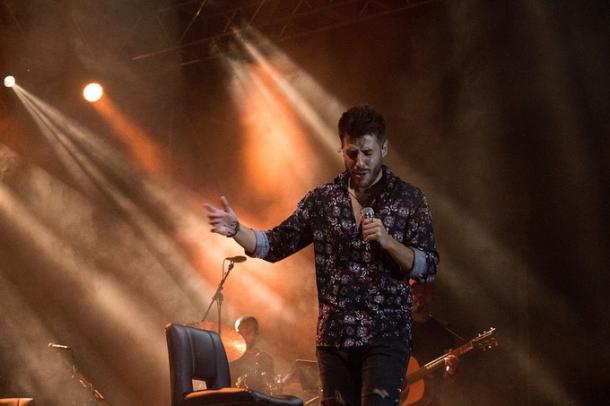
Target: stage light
[93,92]
[9,81]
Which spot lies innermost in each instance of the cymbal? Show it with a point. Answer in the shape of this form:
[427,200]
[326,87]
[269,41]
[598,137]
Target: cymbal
[234,343]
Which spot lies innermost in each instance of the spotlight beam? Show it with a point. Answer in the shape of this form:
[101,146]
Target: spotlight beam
[171,253]
[322,129]
[67,139]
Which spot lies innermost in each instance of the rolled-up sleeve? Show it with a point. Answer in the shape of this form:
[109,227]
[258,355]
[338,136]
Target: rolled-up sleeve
[262,245]
[425,263]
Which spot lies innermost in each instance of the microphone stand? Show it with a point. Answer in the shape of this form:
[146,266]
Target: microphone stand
[218,295]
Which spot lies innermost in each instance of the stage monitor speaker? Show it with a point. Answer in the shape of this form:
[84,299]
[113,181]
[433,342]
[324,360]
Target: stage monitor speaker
[17,402]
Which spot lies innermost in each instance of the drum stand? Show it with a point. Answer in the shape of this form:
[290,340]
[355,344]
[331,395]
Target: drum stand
[95,395]
[311,401]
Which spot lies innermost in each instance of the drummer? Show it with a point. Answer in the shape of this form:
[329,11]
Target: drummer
[253,370]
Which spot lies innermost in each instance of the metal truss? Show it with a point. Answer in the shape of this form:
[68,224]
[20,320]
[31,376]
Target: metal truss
[200,26]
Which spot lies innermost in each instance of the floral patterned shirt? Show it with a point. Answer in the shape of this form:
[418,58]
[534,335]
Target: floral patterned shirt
[362,292]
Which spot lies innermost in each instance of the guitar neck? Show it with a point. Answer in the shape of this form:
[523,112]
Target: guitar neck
[437,363]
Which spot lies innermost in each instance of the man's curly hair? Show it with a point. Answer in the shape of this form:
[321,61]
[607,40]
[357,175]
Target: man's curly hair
[362,120]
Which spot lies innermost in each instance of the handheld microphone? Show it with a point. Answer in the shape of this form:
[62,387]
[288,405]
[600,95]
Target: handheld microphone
[368,213]
[236,259]
[59,346]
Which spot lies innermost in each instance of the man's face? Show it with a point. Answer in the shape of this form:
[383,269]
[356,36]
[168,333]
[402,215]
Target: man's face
[422,299]
[248,332]
[362,158]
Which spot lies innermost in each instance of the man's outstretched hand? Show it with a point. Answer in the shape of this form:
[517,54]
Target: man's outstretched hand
[223,221]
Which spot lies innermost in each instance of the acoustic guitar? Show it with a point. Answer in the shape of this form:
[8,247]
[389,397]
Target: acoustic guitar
[414,380]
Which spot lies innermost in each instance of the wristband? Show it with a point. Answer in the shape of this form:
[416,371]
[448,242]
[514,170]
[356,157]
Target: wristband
[235,226]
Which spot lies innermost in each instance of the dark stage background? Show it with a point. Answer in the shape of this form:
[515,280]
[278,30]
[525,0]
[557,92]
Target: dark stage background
[497,110]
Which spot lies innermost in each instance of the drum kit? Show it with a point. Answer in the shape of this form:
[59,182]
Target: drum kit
[235,346]
[302,379]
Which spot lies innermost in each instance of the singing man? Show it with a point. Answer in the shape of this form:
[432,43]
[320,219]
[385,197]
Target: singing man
[371,232]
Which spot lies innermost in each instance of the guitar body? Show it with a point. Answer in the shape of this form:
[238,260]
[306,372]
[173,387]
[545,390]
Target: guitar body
[415,390]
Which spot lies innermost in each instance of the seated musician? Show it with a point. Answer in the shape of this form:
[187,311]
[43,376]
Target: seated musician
[253,370]
[430,339]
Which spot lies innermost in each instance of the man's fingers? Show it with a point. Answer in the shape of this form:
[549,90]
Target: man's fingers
[370,234]
[371,223]
[209,208]
[219,229]
[219,218]
[214,211]
[225,204]
[218,215]
[226,208]
[371,227]
[372,230]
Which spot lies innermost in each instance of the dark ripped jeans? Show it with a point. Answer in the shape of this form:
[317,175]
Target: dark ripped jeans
[369,376]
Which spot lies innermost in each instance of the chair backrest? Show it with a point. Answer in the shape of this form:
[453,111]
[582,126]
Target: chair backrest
[195,354]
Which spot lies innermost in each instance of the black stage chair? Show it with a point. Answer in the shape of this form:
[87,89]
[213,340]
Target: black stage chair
[199,354]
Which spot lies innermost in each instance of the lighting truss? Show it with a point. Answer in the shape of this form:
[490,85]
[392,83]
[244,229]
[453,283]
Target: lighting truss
[203,24]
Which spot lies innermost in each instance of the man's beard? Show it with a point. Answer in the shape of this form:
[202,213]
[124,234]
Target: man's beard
[367,181]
